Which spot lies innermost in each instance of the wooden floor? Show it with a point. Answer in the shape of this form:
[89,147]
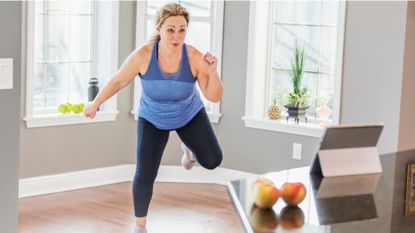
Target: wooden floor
[175,208]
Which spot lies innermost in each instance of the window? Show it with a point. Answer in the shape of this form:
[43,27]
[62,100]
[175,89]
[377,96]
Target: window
[205,34]
[275,27]
[68,42]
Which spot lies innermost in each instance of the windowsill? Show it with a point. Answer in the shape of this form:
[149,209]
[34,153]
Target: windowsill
[213,117]
[310,129]
[68,119]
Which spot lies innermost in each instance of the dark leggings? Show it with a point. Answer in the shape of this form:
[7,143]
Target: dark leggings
[197,135]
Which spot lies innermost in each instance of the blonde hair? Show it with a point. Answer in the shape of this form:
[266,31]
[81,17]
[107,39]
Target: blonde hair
[168,10]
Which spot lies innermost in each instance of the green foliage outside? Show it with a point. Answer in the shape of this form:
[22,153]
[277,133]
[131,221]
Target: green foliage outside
[299,95]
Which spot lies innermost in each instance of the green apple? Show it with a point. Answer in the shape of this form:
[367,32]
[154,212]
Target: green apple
[69,105]
[62,108]
[76,108]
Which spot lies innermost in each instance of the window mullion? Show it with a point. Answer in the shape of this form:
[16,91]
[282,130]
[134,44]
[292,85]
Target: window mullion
[69,54]
[305,24]
[45,52]
[63,61]
[212,27]
[63,13]
[319,59]
[194,18]
[93,48]
[211,43]
[268,82]
[305,71]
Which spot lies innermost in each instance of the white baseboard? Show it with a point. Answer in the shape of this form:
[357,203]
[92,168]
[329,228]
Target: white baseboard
[74,180]
[109,175]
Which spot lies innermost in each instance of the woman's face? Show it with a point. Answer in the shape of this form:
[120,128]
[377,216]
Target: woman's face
[173,32]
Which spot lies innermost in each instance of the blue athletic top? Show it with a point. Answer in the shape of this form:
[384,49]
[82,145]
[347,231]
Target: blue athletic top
[169,101]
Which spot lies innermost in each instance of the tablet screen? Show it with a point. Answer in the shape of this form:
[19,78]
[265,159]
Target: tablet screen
[349,136]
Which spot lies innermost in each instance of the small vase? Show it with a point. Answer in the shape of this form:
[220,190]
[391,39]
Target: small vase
[324,112]
[295,110]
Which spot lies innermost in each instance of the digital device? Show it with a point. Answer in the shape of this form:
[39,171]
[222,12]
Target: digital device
[348,150]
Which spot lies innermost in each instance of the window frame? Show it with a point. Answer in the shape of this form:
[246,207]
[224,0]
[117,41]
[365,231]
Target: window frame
[109,66]
[259,63]
[216,37]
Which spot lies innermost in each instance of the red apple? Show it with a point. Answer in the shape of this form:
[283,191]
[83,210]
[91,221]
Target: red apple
[291,217]
[263,220]
[265,194]
[293,193]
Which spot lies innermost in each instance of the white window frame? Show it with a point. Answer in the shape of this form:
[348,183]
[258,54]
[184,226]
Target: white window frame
[105,52]
[216,39]
[258,66]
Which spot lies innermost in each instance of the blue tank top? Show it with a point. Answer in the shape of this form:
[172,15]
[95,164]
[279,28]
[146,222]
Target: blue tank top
[169,101]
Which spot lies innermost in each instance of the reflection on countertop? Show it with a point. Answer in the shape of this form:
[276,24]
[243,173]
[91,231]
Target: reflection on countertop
[373,203]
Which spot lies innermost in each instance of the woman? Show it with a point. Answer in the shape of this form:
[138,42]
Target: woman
[168,69]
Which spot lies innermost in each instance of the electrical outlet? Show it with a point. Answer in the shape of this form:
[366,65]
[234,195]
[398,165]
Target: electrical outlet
[297,151]
[6,73]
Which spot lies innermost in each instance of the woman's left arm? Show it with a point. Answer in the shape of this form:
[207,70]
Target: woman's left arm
[208,77]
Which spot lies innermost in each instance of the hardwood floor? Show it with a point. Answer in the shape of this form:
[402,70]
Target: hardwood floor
[175,208]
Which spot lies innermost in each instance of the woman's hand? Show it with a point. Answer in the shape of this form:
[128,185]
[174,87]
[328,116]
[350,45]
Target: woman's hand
[208,78]
[90,110]
[209,61]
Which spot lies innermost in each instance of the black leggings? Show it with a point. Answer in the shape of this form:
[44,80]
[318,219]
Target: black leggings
[197,135]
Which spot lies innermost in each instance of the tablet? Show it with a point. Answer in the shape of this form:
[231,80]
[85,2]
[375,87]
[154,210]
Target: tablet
[348,150]
[349,136]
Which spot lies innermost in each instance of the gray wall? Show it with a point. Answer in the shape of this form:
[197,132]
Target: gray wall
[372,81]
[10,37]
[372,69]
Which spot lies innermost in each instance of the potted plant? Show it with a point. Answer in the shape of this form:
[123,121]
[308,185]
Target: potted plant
[297,99]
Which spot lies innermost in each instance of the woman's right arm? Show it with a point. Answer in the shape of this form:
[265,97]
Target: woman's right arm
[128,71]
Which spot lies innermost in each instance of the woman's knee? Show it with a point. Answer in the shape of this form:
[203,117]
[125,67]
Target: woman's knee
[213,161]
[144,177]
